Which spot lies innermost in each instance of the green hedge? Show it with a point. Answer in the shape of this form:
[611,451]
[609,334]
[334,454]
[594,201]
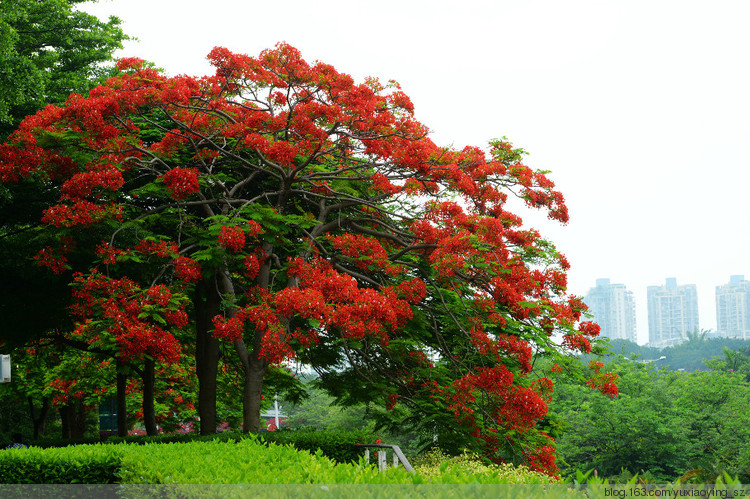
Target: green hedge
[245,462]
[248,461]
[81,464]
[253,462]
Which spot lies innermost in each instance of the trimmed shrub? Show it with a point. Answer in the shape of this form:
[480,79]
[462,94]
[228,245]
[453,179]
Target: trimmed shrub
[336,445]
[80,464]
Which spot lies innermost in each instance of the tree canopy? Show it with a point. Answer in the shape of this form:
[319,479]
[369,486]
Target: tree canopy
[664,425]
[279,207]
[47,51]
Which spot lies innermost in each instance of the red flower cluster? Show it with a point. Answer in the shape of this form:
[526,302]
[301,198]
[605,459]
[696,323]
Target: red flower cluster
[596,366]
[260,316]
[366,252]
[252,266]
[543,460]
[181,182]
[82,212]
[83,184]
[52,259]
[283,153]
[577,342]
[130,63]
[605,383]
[109,253]
[159,247]
[390,401]
[232,238]
[187,269]
[381,184]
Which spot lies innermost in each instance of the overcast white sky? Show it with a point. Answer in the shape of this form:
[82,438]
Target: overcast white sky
[640,108]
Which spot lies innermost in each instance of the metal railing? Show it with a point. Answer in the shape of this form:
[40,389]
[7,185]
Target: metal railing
[382,457]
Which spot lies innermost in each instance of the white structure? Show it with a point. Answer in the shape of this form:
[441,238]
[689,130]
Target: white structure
[4,368]
[276,415]
[613,308]
[672,312]
[733,308]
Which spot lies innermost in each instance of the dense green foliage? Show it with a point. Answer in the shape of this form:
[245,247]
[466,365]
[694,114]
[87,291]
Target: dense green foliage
[664,424]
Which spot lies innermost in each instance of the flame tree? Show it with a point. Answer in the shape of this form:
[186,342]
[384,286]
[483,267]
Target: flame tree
[304,215]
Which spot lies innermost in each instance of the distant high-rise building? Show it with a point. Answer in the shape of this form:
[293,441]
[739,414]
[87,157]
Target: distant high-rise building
[613,308]
[733,308]
[672,312]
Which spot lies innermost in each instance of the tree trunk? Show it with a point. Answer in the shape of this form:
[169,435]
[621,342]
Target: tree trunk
[122,406]
[65,421]
[40,422]
[255,366]
[207,302]
[255,369]
[149,414]
[77,417]
[73,419]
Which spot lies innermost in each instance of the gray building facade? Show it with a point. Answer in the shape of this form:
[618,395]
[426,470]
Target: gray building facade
[672,313]
[613,308]
[733,308]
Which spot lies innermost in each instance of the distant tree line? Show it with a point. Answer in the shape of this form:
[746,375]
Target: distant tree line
[689,355]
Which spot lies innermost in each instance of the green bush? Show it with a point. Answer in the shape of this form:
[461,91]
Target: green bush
[81,464]
[435,466]
[336,445]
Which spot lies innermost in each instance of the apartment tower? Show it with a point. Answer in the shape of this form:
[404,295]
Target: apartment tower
[672,313]
[733,308]
[613,308]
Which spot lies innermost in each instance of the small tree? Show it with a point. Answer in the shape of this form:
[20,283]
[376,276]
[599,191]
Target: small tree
[308,216]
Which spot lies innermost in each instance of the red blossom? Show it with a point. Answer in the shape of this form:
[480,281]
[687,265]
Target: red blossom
[252,266]
[187,269]
[589,328]
[542,459]
[109,253]
[577,342]
[160,247]
[129,63]
[181,182]
[81,212]
[596,366]
[391,401]
[605,383]
[52,259]
[232,238]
